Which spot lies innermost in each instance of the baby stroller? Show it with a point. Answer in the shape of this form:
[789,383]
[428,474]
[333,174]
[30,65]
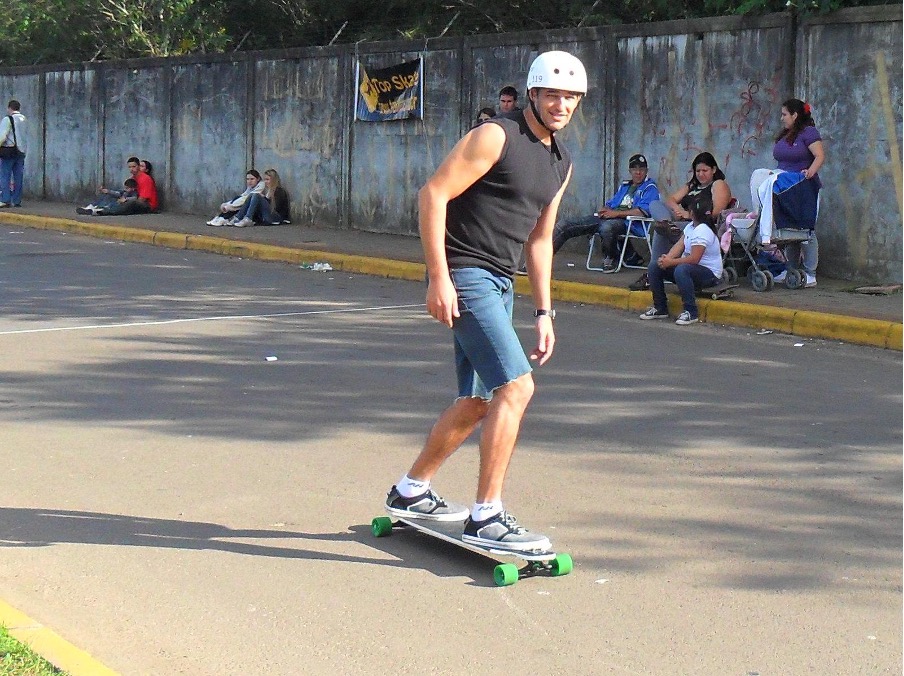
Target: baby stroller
[787,213]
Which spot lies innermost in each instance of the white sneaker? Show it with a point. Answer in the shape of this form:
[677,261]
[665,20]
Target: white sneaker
[780,277]
[653,313]
[244,223]
[217,221]
[685,318]
[811,281]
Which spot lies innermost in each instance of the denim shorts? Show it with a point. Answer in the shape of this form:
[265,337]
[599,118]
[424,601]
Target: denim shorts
[488,353]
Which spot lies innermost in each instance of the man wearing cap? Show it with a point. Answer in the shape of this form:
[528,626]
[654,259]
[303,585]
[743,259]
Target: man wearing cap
[632,198]
[495,194]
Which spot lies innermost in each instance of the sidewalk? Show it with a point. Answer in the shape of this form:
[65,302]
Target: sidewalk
[830,311]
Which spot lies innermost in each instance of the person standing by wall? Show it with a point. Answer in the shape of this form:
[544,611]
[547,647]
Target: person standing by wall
[508,99]
[497,192]
[798,147]
[13,148]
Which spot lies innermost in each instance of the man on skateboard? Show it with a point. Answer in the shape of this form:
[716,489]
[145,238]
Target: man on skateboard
[497,192]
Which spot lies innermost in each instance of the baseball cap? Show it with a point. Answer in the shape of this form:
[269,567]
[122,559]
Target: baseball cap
[637,161]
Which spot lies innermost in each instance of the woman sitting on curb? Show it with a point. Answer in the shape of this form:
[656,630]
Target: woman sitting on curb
[271,207]
[694,263]
[707,186]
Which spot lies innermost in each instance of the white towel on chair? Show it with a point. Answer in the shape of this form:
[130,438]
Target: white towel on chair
[761,182]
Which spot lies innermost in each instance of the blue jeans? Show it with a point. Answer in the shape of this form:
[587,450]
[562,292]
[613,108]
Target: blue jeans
[609,230]
[488,353]
[129,208]
[257,208]
[12,170]
[688,277]
[565,230]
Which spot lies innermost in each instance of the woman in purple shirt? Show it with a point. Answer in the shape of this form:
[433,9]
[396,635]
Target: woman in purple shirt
[799,148]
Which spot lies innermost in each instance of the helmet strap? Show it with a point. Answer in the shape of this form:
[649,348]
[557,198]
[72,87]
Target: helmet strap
[533,109]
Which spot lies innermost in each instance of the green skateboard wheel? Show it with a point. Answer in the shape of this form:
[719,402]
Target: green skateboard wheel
[505,574]
[562,565]
[381,526]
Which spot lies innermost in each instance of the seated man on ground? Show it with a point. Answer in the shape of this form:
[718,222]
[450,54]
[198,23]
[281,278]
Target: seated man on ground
[106,197]
[110,197]
[632,198]
[228,209]
[146,201]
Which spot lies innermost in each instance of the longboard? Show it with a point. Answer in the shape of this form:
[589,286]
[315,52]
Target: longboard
[546,562]
[719,291]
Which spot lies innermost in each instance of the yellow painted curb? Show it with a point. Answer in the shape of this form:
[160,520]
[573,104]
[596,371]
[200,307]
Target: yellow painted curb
[50,645]
[894,341]
[752,316]
[856,330]
[849,329]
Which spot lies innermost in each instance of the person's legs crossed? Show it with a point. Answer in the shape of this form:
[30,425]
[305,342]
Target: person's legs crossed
[565,230]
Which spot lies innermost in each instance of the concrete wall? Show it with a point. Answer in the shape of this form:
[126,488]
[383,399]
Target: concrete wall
[859,117]
[669,90]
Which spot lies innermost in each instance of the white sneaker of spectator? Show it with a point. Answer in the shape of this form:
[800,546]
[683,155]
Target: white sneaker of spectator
[811,282]
[244,223]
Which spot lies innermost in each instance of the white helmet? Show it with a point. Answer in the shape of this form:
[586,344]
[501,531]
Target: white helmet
[557,70]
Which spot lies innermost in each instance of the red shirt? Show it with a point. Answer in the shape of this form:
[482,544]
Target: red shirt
[147,190]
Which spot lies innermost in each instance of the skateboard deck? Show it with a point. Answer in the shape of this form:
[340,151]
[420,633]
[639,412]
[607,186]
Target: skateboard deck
[719,291]
[545,562]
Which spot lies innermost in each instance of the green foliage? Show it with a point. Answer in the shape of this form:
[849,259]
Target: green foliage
[43,31]
[17,660]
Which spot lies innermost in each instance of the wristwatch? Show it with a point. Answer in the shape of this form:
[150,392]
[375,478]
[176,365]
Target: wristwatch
[545,313]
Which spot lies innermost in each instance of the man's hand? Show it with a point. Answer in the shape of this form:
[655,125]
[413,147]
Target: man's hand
[442,300]
[546,340]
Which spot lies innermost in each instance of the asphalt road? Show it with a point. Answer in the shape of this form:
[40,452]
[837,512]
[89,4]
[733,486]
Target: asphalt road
[175,503]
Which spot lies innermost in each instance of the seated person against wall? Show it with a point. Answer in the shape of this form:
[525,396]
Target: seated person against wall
[146,202]
[632,198]
[271,207]
[693,263]
[105,196]
[707,186]
[230,208]
[109,197]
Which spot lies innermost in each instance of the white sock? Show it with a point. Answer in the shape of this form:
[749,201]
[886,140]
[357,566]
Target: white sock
[481,511]
[408,487]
